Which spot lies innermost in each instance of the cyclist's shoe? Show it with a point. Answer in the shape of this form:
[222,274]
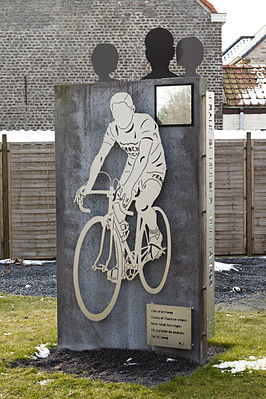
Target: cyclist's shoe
[155,243]
[112,275]
[109,221]
[124,230]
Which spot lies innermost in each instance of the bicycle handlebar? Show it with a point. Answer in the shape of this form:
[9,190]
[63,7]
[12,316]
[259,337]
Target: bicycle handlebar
[87,210]
[108,193]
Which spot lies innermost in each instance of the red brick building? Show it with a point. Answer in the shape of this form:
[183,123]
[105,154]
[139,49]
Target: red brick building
[46,42]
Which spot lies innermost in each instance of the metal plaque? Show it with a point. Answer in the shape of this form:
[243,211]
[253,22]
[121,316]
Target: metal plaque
[210,213]
[169,326]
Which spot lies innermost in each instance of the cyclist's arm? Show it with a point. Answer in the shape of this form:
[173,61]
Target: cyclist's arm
[97,163]
[94,171]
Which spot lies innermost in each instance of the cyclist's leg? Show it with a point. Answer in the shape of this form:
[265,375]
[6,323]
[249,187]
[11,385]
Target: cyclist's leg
[150,191]
[120,233]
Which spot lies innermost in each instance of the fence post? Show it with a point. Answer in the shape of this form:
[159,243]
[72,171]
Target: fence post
[249,196]
[6,234]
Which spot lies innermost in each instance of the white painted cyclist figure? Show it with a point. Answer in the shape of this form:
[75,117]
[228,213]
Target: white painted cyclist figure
[141,181]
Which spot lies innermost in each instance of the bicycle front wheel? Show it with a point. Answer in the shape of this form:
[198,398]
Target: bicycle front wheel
[88,249]
[164,259]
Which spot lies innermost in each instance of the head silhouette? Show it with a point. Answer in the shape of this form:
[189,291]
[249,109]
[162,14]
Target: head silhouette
[189,54]
[122,108]
[159,52]
[104,60]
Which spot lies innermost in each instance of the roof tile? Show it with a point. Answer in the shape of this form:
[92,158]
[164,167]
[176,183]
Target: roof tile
[244,85]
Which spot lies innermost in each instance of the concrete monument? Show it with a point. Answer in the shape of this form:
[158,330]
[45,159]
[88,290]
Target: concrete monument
[131,216]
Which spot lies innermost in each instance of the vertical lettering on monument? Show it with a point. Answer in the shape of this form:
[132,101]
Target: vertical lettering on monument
[141,182]
[210,283]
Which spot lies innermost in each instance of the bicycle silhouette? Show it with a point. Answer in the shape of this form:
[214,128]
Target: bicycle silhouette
[128,263]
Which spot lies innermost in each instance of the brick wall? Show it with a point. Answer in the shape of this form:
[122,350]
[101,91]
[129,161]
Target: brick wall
[46,42]
[258,55]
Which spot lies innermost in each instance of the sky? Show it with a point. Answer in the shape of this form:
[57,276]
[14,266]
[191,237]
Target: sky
[244,18]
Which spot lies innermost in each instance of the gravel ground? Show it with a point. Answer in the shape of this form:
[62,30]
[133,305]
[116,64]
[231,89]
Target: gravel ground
[241,289]
[248,280]
[29,280]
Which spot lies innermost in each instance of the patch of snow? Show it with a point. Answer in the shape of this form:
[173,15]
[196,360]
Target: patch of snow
[238,366]
[169,359]
[43,351]
[33,263]
[128,362]
[229,315]
[28,286]
[18,136]
[238,134]
[6,261]
[7,333]
[236,289]
[44,382]
[1,296]
[25,262]
[224,267]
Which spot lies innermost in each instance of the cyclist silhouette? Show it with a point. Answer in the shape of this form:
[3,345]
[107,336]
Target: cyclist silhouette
[141,181]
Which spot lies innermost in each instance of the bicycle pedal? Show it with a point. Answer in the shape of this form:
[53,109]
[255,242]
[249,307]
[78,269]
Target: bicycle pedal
[101,267]
[112,275]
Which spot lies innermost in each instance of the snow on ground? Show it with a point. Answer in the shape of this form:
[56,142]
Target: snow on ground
[238,366]
[238,134]
[20,136]
[224,267]
[43,351]
[44,382]
[22,262]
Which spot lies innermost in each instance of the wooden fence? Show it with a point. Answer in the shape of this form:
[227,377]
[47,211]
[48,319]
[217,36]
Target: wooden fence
[240,197]
[31,188]
[27,190]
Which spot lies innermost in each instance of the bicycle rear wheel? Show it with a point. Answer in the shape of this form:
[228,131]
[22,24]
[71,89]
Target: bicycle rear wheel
[100,223]
[165,257]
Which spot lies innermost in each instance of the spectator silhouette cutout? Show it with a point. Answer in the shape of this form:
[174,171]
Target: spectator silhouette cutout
[104,60]
[189,54]
[159,52]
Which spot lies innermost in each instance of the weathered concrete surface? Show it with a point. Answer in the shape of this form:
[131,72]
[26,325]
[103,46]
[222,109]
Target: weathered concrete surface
[82,116]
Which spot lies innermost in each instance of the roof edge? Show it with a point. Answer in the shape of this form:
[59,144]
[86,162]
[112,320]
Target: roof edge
[207,5]
[236,41]
[254,46]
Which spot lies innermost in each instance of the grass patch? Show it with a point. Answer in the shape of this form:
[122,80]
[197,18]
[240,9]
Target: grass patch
[32,321]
